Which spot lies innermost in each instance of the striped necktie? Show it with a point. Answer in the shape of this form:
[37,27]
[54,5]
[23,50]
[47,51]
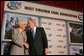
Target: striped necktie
[33,34]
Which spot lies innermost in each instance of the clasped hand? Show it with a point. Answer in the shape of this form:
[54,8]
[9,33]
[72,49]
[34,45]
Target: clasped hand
[26,45]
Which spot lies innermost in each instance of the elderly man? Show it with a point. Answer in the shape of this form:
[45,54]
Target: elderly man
[37,39]
[19,39]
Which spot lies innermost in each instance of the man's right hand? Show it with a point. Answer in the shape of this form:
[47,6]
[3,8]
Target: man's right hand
[26,45]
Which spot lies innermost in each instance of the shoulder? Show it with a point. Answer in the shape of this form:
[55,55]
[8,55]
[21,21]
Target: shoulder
[40,28]
[15,30]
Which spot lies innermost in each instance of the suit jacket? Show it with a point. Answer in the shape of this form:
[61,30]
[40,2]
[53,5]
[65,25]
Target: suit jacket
[17,47]
[40,41]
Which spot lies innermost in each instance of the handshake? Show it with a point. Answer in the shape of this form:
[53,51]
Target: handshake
[26,45]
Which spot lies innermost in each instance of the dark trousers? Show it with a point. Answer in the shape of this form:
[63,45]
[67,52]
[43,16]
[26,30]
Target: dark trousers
[33,51]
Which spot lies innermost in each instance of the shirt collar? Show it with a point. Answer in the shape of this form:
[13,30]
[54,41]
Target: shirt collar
[20,30]
[34,27]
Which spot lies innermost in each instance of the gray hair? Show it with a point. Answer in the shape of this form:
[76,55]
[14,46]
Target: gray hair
[20,21]
[33,20]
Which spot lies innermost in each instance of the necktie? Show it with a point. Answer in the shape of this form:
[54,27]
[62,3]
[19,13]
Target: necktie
[33,34]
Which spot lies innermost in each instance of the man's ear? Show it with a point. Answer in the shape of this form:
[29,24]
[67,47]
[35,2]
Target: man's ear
[34,23]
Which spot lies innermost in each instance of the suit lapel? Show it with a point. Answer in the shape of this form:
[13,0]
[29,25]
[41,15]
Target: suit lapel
[19,32]
[31,36]
[25,36]
[21,36]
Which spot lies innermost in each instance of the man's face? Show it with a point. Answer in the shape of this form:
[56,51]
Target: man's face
[22,25]
[31,24]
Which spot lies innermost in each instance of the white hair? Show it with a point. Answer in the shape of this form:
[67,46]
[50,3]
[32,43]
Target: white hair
[20,22]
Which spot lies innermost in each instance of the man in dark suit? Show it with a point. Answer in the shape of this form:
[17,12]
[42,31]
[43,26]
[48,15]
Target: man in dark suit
[37,39]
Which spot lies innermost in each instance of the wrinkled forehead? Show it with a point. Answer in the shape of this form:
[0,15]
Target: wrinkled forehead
[21,22]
